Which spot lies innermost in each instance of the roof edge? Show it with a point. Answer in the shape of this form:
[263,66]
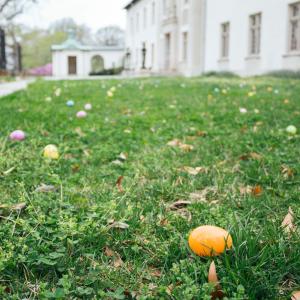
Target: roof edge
[131,3]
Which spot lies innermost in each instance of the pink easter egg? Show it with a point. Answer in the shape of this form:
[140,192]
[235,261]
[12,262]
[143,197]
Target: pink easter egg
[81,114]
[17,135]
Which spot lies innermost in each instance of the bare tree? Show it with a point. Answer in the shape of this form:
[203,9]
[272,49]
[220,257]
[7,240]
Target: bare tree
[9,9]
[110,36]
[83,32]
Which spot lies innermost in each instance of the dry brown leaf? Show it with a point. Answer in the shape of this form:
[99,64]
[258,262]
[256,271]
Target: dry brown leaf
[255,155]
[75,168]
[108,252]
[117,162]
[251,155]
[244,190]
[155,272]
[201,133]
[164,222]
[86,152]
[212,273]
[116,258]
[174,143]
[201,196]
[257,190]
[287,172]
[191,138]
[213,278]
[194,171]
[152,286]
[179,144]
[123,156]
[184,213]
[119,225]
[186,147]
[80,132]
[169,289]
[43,188]
[179,181]
[7,172]
[118,262]
[179,204]
[19,206]
[296,295]
[119,184]
[45,133]
[214,202]
[69,156]
[288,222]
[15,207]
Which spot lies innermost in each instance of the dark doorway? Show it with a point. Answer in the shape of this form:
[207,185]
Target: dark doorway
[72,65]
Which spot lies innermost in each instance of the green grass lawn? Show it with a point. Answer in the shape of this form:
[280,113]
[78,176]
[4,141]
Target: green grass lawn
[63,245]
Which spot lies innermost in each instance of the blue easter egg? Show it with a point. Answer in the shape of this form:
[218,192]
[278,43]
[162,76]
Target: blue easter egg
[70,103]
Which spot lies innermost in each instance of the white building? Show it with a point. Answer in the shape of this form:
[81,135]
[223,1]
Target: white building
[191,37]
[74,59]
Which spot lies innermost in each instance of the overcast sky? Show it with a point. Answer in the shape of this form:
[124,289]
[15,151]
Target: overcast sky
[94,13]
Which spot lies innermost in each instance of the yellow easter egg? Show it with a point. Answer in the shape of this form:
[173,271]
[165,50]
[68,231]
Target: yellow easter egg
[51,152]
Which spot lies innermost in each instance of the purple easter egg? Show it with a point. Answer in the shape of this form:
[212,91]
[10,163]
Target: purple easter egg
[17,135]
[81,114]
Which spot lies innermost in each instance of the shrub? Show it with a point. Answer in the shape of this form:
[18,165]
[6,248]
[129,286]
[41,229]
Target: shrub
[285,74]
[221,74]
[114,71]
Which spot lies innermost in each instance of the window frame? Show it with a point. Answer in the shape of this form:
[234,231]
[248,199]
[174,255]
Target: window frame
[255,34]
[153,15]
[291,19]
[225,41]
[185,46]
[145,17]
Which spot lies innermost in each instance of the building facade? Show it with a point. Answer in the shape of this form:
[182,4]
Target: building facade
[72,59]
[190,37]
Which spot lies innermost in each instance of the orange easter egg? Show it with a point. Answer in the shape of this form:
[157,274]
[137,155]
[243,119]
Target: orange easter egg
[209,240]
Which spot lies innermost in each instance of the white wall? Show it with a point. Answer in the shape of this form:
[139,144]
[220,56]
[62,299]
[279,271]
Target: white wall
[273,37]
[180,16]
[112,58]
[139,32]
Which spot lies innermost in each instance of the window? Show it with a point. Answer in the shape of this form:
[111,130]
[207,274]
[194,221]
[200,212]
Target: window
[294,28]
[255,34]
[225,34]
[145,17]
[185,16]
[164,6]
[184,46]
[153,13]
[131,25]
[137,22]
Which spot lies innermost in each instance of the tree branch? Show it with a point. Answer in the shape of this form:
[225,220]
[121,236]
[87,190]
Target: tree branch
[4,4]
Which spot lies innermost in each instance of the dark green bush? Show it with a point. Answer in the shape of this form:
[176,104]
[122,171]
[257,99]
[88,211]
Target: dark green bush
[221,74]
[285,74]
[114,71]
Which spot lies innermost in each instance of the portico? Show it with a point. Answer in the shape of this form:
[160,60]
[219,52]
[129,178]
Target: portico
[72,59]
